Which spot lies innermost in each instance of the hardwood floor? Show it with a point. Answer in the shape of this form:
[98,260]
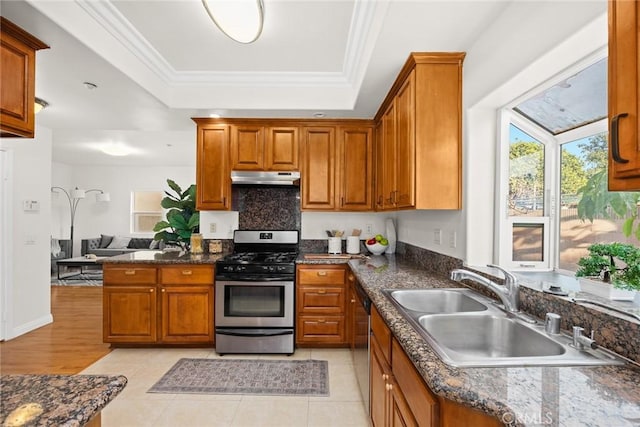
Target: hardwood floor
[68,345]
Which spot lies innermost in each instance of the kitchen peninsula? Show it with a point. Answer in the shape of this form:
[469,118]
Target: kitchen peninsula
[61,400]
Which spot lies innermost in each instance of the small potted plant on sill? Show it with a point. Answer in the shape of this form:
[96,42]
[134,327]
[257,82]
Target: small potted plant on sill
[182,217]
[616,264]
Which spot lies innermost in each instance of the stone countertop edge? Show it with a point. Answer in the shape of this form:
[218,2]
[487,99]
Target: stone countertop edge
[160,257]
[516,396]
[65,400]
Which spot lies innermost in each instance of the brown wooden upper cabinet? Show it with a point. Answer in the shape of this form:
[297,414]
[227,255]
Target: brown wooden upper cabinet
[255,147]
[213,177]
[419,136]
[17,80]
[624,75]
[337,167]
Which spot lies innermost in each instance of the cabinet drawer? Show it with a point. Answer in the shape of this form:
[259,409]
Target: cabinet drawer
[327,300]
[129,275]
[322,276]
[321,329]
[187,274]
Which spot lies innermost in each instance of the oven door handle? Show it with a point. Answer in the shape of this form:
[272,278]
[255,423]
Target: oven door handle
[261,333]
[249,278]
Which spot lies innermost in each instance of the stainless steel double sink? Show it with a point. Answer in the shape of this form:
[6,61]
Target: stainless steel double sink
[467,329]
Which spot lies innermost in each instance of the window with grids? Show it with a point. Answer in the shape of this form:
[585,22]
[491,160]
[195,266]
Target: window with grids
[553,175]
[146,210]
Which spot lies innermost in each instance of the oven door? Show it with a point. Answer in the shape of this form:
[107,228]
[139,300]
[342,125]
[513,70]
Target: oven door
[254,304]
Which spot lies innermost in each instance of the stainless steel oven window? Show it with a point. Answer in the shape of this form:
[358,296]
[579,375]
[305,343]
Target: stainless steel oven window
[254,301]
[254,314]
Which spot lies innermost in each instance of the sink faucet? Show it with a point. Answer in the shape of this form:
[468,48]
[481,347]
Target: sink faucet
[509,293]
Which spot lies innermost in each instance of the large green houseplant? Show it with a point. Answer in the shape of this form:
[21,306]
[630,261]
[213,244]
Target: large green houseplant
[182,218]
[617,263]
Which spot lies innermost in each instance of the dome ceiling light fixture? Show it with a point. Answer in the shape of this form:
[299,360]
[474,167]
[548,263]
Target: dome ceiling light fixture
[240,20]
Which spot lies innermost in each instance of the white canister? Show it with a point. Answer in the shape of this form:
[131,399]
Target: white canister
[335,245]
[353,244]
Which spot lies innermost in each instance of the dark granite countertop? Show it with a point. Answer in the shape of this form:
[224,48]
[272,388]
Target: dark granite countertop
[530,396]
[56,400]
[326,258]
[160,257]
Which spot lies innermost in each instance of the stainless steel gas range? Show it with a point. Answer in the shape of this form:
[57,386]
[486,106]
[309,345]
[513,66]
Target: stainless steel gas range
[254,293]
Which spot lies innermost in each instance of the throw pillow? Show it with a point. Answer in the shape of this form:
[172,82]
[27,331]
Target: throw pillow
[55,247]
[105,241]
[155,244]
[119,242]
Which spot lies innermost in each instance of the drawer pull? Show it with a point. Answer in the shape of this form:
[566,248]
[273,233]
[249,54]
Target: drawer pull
[322,273]
[322,291]
[321,320]
[187,272]
[385,377]
[130,272]
[151,290]
[164,290]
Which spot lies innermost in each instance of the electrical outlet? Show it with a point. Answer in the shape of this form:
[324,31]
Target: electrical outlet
[437,236]
[369,229]
[212,227]
[452,239]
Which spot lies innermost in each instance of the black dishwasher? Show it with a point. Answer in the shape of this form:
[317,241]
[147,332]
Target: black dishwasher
[360,342]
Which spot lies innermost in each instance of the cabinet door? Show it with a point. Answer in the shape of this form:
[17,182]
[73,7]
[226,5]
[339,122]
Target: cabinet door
[129,314]
[212,168]
[247,148]
[17,80]
[318,168]
[624,69]
[281,149]
[387,161]
[355,164]
[379,374]
[187,314]
[404,194]
[400,413]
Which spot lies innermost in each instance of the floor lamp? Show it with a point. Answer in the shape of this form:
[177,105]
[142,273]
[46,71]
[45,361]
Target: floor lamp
[74,196]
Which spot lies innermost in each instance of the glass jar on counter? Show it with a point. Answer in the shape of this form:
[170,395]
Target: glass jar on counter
[196,243]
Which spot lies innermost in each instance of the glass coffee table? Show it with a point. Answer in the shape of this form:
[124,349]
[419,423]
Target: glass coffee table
[79,262]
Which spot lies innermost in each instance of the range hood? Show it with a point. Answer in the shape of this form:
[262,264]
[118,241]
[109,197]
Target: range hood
[265,178]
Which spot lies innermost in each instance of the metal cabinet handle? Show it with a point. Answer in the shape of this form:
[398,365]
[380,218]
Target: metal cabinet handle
[164,290]
[130,272]
[322,291]
[187,272]
[321,320]
[151,290]
[322,273]
[615,146]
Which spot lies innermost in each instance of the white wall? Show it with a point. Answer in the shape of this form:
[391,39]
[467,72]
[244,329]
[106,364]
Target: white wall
[516,39]
[113,217]
[27,292]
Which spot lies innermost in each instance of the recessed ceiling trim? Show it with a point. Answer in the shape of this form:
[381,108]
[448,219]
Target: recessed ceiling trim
[365,14]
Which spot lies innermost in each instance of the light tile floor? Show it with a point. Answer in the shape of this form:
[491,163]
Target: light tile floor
[134,407]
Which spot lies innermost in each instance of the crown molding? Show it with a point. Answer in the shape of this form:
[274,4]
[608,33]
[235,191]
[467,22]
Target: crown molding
[359,42]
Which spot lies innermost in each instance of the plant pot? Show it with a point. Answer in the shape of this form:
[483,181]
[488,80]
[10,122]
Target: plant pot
[605,290]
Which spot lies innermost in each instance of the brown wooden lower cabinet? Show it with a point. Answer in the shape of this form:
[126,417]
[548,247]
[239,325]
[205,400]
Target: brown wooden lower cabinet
[321,313]
[399,395]
[149,304]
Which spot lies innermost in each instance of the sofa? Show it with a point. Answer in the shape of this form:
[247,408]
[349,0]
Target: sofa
[107,245]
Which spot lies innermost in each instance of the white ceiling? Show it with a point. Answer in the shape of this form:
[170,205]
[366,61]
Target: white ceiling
[159,63]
